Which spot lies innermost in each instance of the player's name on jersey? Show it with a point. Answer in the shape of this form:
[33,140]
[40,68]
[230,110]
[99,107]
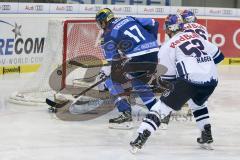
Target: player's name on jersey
[203,59]
[183,38]
[120,24]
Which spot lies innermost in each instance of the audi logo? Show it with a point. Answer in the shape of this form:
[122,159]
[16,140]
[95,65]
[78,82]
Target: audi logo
[159,10]
[69,8]
[227,12]
[5,7]
[38,7]
[194,10]
[127,9]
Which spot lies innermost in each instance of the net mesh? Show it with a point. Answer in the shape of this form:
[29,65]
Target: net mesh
[66,40]
[82,43]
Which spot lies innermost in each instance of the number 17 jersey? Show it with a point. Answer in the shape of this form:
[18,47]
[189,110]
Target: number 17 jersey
[130,37]
[188,56]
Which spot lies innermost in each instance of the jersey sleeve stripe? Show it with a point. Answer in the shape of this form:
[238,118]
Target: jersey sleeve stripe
[219,58]
[185,71]
[179,69]
[168,76]
[216,54]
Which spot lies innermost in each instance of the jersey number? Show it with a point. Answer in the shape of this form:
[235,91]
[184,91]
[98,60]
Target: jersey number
[200,32]
[135,37]
[197,49]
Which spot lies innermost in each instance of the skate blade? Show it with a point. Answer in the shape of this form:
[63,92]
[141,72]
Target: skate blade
[134,150]
[207,146]
[124,126]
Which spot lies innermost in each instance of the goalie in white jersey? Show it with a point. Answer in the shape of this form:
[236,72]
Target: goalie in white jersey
[189,59]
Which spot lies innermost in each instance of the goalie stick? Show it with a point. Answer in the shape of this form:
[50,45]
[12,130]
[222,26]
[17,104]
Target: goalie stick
[54,104]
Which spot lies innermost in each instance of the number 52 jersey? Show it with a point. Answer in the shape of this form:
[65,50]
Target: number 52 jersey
[188,56]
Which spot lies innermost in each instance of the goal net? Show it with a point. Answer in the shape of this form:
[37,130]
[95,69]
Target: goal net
[69,44]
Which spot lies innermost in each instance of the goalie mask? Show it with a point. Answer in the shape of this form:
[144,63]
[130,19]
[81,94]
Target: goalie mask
[188,16]
[103,17]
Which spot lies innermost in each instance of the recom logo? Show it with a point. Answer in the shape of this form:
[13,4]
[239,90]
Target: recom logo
[12,41]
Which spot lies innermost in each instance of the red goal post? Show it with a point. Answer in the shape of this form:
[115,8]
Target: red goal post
[67,39]
[81,39]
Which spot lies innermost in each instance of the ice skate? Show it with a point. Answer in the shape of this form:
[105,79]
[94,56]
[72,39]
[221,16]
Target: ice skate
[206,139]
[123,121]
[164,122]
[139,141]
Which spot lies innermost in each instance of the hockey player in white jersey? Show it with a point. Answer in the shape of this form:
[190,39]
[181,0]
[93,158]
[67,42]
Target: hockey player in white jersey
[191,25]
[188,58]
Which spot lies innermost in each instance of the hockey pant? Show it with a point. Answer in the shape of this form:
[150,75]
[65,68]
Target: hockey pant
[175,99]
[116,88]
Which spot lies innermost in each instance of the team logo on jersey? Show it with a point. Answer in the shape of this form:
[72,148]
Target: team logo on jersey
[166,93]
[183,38]
[125,45]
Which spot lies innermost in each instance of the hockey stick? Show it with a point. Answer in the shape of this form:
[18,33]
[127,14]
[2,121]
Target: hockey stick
[54,104]
[90,65]
[156,88]
[91,87]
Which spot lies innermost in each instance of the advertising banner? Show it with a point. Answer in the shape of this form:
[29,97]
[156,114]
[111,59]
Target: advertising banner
[8,7]
[225,12]
[88,9]
[22,43]
[33,8]
[23,38]
[223,33]
[123,9]
[153,10]
[226,35]
[198,11]
[63,8]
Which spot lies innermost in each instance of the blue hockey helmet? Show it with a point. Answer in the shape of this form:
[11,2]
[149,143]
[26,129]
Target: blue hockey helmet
[188,16]
[173,22]
[103,17]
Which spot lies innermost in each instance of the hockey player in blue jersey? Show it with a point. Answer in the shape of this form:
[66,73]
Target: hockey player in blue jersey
[124,41]
[190,63]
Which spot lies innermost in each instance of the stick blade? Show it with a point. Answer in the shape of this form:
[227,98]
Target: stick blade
[51,103]
[55,104]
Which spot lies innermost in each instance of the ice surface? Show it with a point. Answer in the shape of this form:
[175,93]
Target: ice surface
[31,133]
